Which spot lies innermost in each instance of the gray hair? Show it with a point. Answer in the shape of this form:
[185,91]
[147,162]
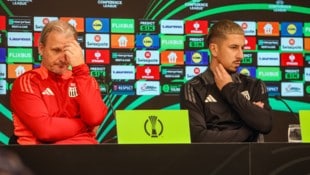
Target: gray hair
[59,26]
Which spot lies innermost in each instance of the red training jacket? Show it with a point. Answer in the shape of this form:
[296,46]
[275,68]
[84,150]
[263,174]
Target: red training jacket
[57,109]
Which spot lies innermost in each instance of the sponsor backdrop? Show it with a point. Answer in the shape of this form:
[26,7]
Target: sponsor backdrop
[142,51]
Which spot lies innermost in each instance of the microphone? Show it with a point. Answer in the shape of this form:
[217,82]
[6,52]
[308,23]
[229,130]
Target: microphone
[287,106]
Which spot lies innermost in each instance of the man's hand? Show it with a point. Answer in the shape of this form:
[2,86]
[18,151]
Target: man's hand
[259,104]
[74,54]
[221,76]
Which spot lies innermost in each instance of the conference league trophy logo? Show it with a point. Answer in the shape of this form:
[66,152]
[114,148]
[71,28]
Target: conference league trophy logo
[153,127]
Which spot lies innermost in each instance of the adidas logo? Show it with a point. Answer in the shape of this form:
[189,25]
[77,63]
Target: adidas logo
[47,91]
[209,99]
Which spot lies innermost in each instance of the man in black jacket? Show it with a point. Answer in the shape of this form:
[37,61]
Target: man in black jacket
[223,105]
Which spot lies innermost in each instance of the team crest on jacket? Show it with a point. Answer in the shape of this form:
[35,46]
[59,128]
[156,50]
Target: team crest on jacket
[72,90]
[246,94]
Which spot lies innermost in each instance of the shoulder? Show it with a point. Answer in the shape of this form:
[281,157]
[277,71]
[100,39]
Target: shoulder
[27,80]
[205,78]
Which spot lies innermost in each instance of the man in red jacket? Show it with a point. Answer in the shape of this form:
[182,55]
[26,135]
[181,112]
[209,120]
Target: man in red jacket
[53,104]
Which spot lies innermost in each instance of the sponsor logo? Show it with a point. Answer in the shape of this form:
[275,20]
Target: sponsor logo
[147,26]
[249,58]
[250,43]
[195,42]
[210,99]
[307,73]
[307,89]
[249,71]
[291,29]
[196,27]
[2,22]
[192,71]
[307,59]
[23,39]
[172,72]
[16,70]
[97,56]
[171,27]
[40,22]
[123,89]
[147,72]
[19,23]
[122,41]
[120,72]
[97,25]
[172,42]
[307,44]
[291,89]
[172,57]
[147,88]
[292,74]
[249,27]
[147,41]
[172,88]
[292,59]
[147,57]
[97,40]
[3,86]
[268,28]
[77,23]
[291,44]
[122,25]
[17,55]
[97,72]
[48,92]
[307,29]
[196,58]
[2,70]
[273,89]
[122,57]
[268,44]
[268,59]
[2,55]
[269,73]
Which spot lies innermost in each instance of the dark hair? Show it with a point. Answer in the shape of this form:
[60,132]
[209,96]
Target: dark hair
[221,28]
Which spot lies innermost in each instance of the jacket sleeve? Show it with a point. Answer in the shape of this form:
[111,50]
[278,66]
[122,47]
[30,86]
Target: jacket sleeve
[257,118]
[92,108]
[193,102]
[28,106]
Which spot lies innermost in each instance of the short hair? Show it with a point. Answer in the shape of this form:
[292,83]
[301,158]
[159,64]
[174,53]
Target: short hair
[221,28]
[59,26]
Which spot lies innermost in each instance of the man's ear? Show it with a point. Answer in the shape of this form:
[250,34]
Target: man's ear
[213,49]
[40,48]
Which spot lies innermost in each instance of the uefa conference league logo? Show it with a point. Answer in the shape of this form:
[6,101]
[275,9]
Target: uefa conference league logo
[153,127]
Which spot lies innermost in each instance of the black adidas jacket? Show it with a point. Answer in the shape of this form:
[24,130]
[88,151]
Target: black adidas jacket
[228,115]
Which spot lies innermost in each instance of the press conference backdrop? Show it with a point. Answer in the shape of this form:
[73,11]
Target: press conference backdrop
[142,51]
